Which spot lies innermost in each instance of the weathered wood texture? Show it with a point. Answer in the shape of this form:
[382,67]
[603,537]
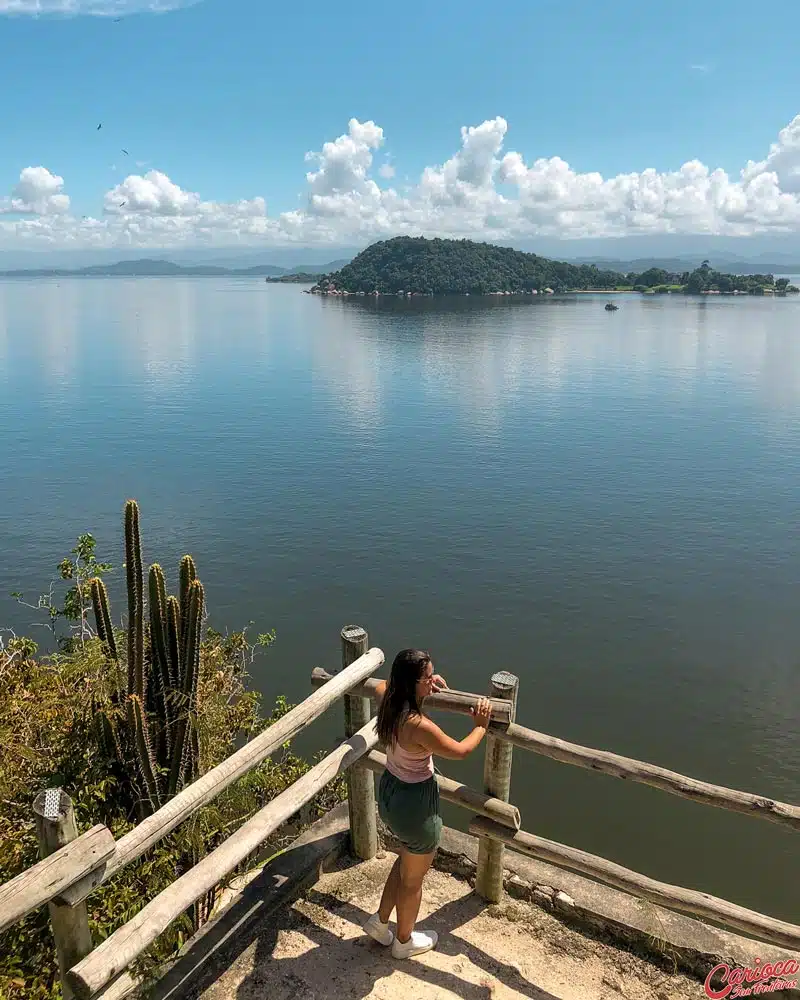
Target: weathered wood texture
[497,782]
[360,783]
[47,879]
[123,986]
[117,952]
[153,829]
[458,794]
[604,761]
[54,830]
[459,702]
[700,904]
[650,774]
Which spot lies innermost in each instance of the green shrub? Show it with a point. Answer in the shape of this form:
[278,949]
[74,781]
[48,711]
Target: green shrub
[47,708]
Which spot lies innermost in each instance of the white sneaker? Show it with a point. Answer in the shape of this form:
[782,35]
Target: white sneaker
[378,930]
[417,944]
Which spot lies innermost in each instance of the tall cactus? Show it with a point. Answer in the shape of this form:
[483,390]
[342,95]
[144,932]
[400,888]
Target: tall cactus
[188,574]
[161,682]
[182,759]
[137,720]
[191,647]
[102,614]
[155,737]
[133,567]
[158,621]
[173,640]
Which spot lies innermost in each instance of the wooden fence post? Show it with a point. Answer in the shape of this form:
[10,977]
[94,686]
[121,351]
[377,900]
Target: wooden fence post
[360,781]
[55,827]
[497,782]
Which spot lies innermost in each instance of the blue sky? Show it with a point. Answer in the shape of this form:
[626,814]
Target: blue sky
[226,97]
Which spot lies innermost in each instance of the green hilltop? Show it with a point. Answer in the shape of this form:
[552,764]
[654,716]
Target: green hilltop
[420,266]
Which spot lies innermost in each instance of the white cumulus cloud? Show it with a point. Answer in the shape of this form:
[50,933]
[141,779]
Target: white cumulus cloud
[38,192]
[153,194]
[484,190]
[487,192]
[783,160]
[91,8]
[341,184]
[153,208]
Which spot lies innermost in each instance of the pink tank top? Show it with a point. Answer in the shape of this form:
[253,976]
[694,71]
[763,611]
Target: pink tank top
[409,766]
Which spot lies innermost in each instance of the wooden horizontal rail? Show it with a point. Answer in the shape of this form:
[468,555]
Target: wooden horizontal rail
[117,952]
[153,829]
[458,794]
[650,774]
[460,702]
[701,904]
[123,986]
[604,761]
[46,880]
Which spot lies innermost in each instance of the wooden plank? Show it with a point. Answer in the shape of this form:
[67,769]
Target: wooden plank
[117,952]
[459,702]
[360,783]
[604,761]
[123,986]
[700,904]
[48,878]
[153,829]
[458,794]
[658,777]
[54,816]
[496,782]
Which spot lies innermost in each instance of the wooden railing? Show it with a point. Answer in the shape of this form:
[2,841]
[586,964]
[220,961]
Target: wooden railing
[73,866]
[495,832]
[602,760]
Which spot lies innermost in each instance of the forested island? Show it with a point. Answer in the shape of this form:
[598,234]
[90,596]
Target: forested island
[293,278]
[411,266]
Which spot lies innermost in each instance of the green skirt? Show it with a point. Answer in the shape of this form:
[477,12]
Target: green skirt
[411,811]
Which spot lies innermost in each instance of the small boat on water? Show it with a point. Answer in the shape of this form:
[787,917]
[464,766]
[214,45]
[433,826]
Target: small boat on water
[610,307]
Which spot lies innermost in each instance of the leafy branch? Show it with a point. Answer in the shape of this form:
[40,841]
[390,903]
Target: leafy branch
[80,566]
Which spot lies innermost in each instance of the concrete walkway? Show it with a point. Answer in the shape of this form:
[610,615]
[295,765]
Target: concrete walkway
[291,932]
[317,951]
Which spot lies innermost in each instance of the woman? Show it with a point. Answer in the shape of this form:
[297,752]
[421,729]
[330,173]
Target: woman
[408,796]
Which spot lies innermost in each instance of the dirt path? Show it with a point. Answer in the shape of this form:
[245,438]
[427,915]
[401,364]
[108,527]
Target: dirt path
[515,951]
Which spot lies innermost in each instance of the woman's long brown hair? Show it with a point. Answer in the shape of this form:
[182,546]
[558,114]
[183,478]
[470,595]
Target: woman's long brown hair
[401,692]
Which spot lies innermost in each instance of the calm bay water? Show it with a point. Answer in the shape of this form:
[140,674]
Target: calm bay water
[604,504]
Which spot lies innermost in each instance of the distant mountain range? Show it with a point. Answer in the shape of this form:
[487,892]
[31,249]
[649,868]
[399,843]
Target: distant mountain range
[150,268]
[288,256]
[770,253]
[774,256]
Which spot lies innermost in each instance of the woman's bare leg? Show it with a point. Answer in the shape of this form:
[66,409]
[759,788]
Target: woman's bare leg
[413,868]
[390,890]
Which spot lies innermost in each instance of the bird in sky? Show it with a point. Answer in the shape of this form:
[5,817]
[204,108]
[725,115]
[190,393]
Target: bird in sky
[122,203]
[125,151]
[99,126]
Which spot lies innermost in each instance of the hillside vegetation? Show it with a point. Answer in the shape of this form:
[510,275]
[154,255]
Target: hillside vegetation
[456,267]
[121,736]
[419,266]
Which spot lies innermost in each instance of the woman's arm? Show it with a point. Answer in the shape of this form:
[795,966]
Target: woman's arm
[380,691]
[430,736]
